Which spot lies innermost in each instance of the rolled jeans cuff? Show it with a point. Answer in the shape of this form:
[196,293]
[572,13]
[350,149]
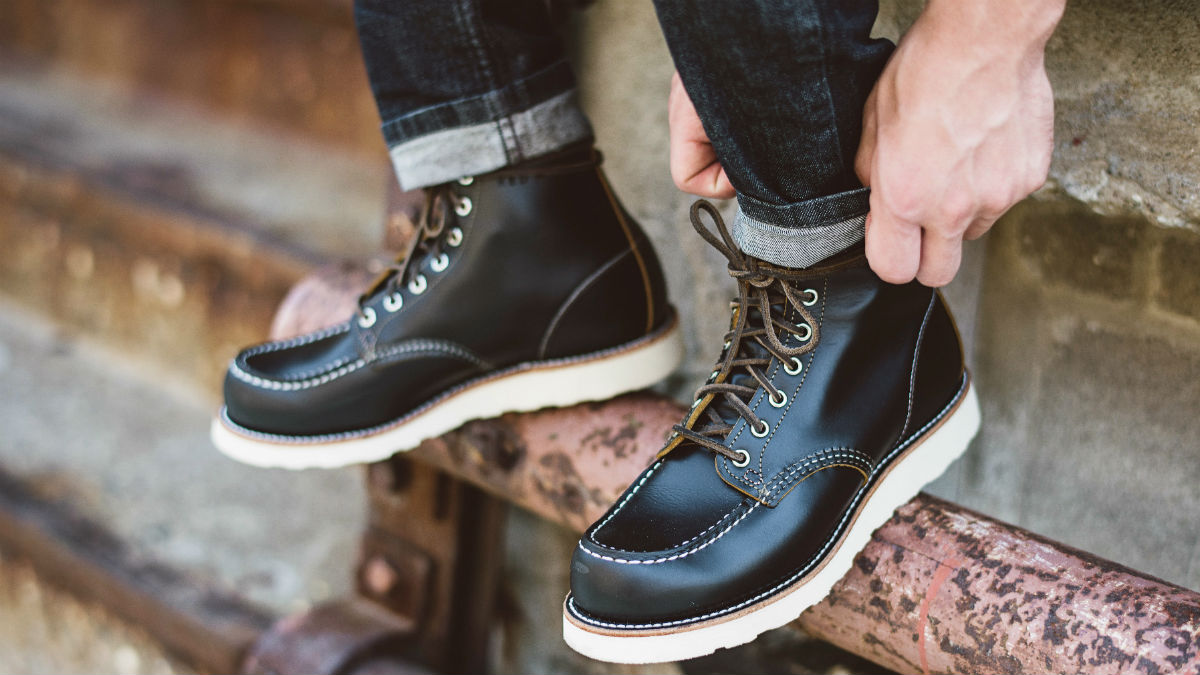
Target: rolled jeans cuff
[804,233]
[470,149]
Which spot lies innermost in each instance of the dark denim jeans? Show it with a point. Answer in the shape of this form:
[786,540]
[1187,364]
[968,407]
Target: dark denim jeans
[469,86]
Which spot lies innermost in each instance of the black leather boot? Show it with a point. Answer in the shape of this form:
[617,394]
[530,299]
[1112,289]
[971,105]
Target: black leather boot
[525,288]
[836,398]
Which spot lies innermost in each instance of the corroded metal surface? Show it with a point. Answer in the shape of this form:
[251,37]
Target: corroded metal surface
[322,299]
[567,464]
[295,64]
[940,589]
[431,554]
[333,638]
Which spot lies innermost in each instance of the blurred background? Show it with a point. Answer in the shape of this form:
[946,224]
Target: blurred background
[170,168]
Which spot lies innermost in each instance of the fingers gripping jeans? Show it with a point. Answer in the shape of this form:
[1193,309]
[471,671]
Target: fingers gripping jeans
[469,86]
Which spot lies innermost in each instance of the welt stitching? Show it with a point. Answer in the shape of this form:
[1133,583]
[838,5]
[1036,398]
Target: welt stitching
[807,565]
[579,289]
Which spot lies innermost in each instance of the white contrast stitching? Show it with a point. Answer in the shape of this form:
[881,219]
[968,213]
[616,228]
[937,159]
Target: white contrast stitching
[297,341]
[812,357]
[912,376]
[449,393]
[677,556]
[403,349]
[783,480]
[807,566]
[628,496]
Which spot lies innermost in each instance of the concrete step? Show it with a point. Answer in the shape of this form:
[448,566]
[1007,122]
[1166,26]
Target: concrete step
[291,63]
[101,433]
[159,229]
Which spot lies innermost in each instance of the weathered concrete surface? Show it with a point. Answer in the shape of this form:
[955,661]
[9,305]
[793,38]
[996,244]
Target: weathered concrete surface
[156,229]
[120,441]
[1089,389]
[43,630]
[1127,96]
[294,64]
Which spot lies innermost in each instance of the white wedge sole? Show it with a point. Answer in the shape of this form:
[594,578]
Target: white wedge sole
[601,376]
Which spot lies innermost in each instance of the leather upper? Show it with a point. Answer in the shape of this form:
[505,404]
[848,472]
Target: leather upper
[543,265]
[696,536]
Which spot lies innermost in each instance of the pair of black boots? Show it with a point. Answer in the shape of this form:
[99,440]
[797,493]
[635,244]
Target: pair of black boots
[835,398]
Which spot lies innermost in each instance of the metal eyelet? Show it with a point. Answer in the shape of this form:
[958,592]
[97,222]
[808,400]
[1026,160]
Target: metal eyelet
[766,429]
[393,302]
[794,367]
[811,294]
[803,337]
[727,343]
[439,263]
[463,207]
[466,180]
[743,462]
[782,399]
[366,319]
[454,237]
[417,286]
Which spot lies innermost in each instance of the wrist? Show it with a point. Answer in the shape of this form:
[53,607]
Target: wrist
[1015,28]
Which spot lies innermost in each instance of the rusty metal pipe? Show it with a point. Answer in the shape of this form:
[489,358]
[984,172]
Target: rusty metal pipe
[940,589]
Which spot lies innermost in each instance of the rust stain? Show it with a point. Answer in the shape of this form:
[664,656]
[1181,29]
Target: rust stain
[940,576]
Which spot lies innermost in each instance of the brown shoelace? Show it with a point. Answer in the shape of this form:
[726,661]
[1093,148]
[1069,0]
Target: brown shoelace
[443,205]
[751,342]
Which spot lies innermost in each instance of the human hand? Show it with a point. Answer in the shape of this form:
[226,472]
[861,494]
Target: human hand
[694,165]
[959,128]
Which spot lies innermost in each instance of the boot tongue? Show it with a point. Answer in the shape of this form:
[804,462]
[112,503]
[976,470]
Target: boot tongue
[749,348]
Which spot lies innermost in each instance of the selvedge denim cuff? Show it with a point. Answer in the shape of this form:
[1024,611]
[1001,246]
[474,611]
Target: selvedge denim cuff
[804,233]
[527,118]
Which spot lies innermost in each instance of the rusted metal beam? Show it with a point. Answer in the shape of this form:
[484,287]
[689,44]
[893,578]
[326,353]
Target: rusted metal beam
[350,636]
[432,553]
[940,588]
[208,629]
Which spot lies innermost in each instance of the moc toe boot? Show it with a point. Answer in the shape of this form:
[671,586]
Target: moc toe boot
[836,398]
[522,289]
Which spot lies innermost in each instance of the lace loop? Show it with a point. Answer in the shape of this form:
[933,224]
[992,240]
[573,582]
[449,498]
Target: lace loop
[751,342]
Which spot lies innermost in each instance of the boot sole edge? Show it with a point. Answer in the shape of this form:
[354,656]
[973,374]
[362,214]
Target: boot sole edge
[525,388]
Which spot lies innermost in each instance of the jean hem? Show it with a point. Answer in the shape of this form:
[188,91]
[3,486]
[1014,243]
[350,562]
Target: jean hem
[473,149]
[801,234]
